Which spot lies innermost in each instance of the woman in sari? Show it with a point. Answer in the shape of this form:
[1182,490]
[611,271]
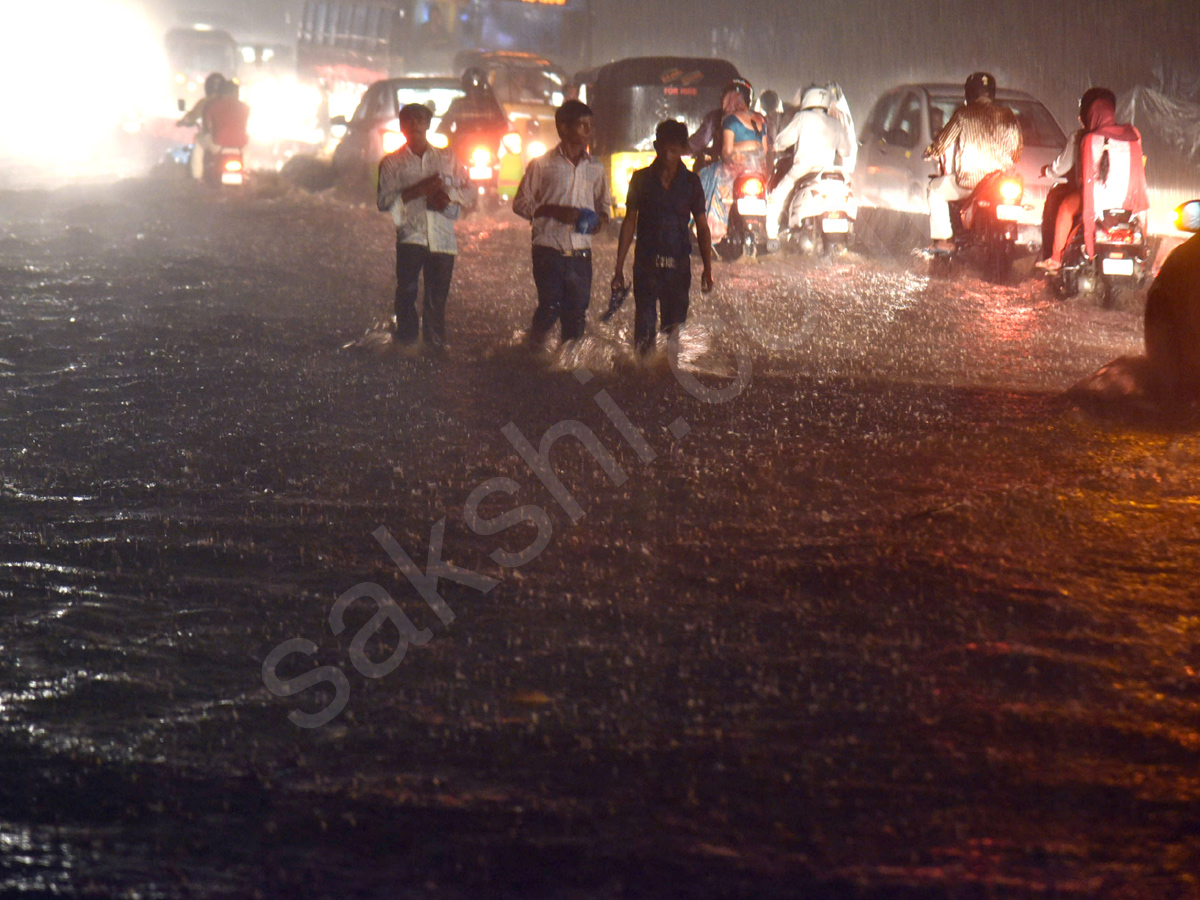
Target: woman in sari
[744,148]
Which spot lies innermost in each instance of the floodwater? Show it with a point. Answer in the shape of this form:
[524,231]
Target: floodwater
[860,607]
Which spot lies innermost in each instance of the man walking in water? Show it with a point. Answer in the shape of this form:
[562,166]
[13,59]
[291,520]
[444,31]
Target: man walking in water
[663,198]
[420,185]
[564,193]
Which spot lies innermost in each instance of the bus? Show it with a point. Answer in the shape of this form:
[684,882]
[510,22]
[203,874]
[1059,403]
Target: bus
[346,45]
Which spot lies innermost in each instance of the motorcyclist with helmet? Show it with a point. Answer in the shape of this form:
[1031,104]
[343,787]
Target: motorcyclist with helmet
[981,138]
[476,113]
[817,138]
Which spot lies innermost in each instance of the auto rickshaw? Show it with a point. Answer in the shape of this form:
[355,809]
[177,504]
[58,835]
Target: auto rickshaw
[530,88]
[630,97]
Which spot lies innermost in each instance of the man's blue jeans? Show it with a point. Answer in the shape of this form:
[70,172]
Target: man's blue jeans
[564,288]
[411,260]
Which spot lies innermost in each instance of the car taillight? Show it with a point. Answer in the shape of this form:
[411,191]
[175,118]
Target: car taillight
[1011,190]
[752,187]
[511,142]
[393,141]
[481,156]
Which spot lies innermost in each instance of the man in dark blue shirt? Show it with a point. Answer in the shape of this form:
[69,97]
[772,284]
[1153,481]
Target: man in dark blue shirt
[662,199]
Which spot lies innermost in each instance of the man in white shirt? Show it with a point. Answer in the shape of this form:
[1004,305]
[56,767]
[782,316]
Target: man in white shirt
[564,193]
[422,187]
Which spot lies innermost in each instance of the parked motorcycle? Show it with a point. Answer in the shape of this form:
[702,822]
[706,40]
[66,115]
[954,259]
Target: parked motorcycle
[1119,261]
[821,213]
[986,225]
[747,232]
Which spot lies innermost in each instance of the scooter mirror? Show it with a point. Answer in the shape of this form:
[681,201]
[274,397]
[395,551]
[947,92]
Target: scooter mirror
[1187,216]
[182,105]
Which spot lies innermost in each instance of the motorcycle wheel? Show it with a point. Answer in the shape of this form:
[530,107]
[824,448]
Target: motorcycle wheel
[998,259]
[729,249]
[1066,283]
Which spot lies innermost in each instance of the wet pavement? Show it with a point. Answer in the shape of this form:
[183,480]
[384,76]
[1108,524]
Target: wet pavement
[857,605]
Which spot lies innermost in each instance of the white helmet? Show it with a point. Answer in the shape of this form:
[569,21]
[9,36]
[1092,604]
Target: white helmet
[817,97]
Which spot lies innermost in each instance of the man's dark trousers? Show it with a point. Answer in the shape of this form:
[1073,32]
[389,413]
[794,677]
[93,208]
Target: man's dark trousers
[659,293]
[564,288]
[411,260]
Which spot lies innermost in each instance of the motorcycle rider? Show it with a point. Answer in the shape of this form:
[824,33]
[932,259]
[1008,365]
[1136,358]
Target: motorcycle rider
[194,118]
[818,139]
[1097,115]
[226,118]
[476,113]
[705,144]
[981,137]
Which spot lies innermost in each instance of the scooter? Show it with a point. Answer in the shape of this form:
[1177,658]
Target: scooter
[821,213]
[986,225]
[747,232]
[1119,262]
[223,167]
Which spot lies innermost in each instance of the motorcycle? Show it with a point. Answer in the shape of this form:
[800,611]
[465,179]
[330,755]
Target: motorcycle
[747,232]
[986,224]
[223,167]
[821,213]
[1119,261]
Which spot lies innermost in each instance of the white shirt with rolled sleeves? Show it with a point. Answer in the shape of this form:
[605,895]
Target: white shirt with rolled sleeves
[415,222]
[553,180]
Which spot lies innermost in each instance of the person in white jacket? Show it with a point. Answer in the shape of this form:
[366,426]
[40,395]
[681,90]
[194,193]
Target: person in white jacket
[818,137]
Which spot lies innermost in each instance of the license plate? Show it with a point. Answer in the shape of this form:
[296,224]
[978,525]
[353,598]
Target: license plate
[835,226]
[231,178]
[480,173]
[1117,266]
[1007,213]
[752,206]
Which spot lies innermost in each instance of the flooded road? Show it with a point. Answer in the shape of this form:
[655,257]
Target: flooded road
[857,604]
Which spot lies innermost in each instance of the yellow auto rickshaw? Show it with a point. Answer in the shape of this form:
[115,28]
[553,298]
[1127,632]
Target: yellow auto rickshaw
[630,97]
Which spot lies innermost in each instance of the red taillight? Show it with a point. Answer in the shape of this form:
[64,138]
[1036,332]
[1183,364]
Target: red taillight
[753,187]
[1120,236]
[232,165]
[1011,190]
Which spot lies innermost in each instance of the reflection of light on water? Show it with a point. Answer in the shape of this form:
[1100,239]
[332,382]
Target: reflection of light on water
[1007,322]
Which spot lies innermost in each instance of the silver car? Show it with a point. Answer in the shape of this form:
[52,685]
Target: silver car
[892,175]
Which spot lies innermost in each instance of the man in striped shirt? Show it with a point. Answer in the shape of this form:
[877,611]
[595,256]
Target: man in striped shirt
[564,193]
[981,138]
